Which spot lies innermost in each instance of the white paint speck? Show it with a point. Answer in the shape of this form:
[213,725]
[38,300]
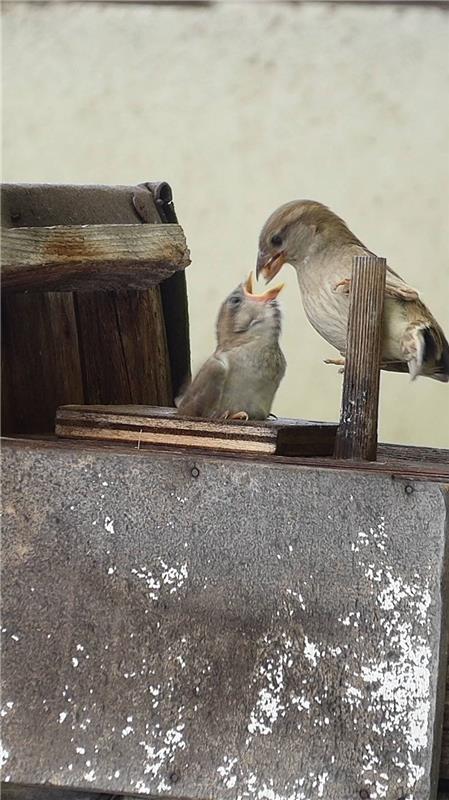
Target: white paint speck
[225,771]
[4,755]
[109,525]
[163,749]
[270,705]
[311,651]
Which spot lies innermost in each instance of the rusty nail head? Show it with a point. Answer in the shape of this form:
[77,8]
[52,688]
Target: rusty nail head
[173,777]
[409,489]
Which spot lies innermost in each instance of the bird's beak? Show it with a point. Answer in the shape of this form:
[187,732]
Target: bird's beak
[271,294]
[269,266]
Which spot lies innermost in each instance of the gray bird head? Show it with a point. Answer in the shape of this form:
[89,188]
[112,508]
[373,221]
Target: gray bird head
[245,315]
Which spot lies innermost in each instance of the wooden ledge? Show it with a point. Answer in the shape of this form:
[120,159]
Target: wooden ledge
[91,257]
[153,425]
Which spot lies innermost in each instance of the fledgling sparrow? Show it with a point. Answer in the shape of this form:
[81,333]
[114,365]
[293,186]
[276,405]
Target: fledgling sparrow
[240,379]
[320,247]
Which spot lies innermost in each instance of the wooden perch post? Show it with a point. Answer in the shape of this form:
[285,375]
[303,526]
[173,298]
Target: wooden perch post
[65,258]
[357,431]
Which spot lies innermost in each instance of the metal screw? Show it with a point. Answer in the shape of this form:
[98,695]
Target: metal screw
[409,489]
[173,777]
[194,472]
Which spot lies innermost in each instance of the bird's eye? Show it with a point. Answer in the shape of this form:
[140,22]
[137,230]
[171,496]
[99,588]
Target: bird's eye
[276,240]
[235,300]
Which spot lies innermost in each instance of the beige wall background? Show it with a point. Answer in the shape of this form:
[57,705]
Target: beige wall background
[242,107]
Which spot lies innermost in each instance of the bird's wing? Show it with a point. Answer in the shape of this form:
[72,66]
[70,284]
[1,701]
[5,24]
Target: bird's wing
[202,397]
[396,287]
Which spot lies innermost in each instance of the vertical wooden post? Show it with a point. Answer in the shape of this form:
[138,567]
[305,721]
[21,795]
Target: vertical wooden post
[357,431]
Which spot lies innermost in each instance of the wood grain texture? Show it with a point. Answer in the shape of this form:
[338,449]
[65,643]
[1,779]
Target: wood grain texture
[146,425]
[80,257]
[357,432]
[41,365]
[123,347]
[444,764]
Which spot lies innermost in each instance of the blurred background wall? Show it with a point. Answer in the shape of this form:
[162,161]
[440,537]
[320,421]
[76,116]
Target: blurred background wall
[241,107]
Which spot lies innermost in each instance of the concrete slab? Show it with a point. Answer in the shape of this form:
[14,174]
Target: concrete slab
[220,628]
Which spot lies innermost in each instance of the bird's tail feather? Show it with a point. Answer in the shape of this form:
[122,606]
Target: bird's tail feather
[427,352]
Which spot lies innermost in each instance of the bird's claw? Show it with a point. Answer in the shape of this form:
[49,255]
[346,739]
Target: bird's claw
[242,415]
[338,362]
[237,415]
[343,287]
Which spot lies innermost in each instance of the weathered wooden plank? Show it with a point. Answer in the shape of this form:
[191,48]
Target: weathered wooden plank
[357,432]
[407,452]
[91,347]
[172,625]
[148,364]
[84,257]
[41,366]
[129,362]
[444,767]
[147,425]
[279,437]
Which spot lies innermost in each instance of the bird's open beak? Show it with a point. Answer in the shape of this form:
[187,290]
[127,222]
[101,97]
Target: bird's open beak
[269,266]
[271,294]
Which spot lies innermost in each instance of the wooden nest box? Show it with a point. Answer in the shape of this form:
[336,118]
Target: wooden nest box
[94,306]
[194,609]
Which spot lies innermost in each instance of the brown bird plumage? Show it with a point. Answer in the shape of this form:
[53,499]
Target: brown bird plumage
[240,379]
[320,246]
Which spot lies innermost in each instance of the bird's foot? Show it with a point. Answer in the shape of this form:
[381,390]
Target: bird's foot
[343,287]
[339,362]
[242,415]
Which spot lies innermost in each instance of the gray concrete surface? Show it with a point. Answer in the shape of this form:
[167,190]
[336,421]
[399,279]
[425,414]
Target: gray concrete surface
[245,630]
